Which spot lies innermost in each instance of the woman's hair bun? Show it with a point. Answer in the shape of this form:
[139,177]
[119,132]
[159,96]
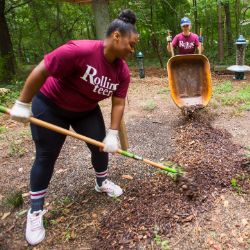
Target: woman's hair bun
[127,16]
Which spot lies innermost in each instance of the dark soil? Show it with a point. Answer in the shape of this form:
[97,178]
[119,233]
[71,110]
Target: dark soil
[156,205]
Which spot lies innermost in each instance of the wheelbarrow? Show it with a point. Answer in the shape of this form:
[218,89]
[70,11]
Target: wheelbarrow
[189,78]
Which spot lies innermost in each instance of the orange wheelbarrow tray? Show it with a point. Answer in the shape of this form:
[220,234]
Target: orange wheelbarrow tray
[189,78]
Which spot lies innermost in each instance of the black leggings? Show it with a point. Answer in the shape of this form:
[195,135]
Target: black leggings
[48,143]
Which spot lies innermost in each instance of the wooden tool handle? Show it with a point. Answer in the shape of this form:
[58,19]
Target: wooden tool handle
[86,139]
[200,42]
[171,45]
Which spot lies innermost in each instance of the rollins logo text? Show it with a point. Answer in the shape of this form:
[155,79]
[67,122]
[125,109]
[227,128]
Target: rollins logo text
[103,85]
[186,45]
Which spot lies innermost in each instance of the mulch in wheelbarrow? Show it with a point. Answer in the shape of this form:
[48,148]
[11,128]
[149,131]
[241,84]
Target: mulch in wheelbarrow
[156,205]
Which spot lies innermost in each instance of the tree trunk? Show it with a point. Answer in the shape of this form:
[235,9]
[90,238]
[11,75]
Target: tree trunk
[195,17]
[237,17]
[154,39]
[101,14]
[7,59]
[220,33]
[228,28]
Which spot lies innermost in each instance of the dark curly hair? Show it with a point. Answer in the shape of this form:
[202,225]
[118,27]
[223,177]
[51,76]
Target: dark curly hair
[125,23]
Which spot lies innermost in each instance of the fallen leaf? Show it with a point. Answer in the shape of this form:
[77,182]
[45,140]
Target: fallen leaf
[244,222]
[46,204]
[60,219]
[25,194]
[240,240]
[61,171]
[217,247]
[5,215]
[191,143]
[226,203]
[10,228]
[210,241]
[189,218]
[128,177]
[22,186]
[73,235]
[69,205]
[21,213]
[1,197]
[94,215]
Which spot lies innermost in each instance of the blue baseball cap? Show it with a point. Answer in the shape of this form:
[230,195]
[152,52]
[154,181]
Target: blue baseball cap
[185,21]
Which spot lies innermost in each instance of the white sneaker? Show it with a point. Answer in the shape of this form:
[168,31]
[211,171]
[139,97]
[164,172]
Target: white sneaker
[110,188]
[35,231]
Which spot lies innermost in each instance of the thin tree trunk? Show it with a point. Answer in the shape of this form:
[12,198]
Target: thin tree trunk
[237,16]
[88,31]
[195,16]
[7,58]
[154,40]
[101,14]
[228,28]
[220,33]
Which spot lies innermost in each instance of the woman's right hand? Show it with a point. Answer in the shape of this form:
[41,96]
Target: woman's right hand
[169,39]
[21,111]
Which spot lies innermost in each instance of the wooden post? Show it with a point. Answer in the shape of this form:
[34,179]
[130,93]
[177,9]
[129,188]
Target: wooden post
[123,135]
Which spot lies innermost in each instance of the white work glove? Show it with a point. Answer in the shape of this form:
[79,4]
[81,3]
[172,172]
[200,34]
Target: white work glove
[20,111]
[111,143]
[169,39]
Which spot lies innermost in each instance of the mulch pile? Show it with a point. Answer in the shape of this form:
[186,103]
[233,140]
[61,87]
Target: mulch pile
[155,206]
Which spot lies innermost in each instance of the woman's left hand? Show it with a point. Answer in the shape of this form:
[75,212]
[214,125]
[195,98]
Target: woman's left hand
[111,143]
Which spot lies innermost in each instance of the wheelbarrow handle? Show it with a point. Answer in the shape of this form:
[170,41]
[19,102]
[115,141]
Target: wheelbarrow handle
[200,52]
[171,45]
[86,139]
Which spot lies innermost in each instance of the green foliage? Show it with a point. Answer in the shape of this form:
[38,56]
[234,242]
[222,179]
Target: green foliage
[66,201]
[40,26]
[149,105]
[14,199]
[164,90]
[223,88]
[16,149]
[46,222]
[3,129]
[163,244]
[11,93]
[234,96]
[234,183]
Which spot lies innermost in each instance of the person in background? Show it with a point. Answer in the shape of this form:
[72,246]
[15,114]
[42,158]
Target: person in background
[186,42]
[65,89]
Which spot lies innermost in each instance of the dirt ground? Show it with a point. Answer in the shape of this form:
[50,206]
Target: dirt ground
[155,211]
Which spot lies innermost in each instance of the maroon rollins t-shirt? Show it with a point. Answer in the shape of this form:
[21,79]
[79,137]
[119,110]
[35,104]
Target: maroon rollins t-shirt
[80,76]
[186,44]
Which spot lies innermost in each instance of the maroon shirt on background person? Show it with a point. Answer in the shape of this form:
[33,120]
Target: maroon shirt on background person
[186,44]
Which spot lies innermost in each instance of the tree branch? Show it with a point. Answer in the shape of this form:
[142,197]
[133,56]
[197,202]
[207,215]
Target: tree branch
[170,6]
[12,7]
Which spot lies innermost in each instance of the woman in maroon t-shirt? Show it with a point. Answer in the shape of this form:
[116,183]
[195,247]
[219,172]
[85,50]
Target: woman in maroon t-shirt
[186,41]
[65,89]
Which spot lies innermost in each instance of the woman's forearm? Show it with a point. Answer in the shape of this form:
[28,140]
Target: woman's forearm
[33,83]
[168,47]
[118,105]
